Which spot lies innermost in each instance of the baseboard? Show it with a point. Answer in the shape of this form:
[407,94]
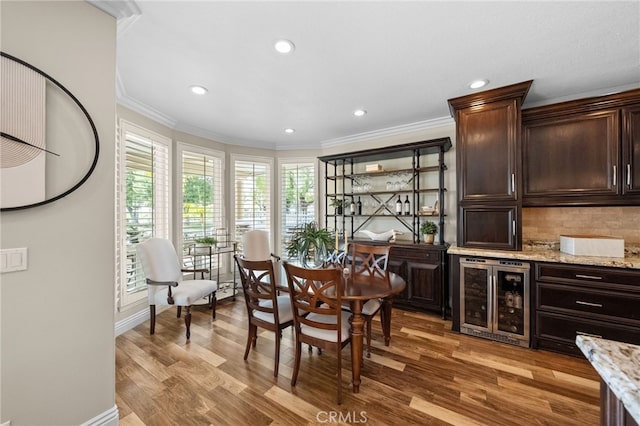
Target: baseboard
[136,319]
[108,418]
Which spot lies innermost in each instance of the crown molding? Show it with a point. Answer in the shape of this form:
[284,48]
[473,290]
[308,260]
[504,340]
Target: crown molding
[389,131]
[147,111]
[119,9]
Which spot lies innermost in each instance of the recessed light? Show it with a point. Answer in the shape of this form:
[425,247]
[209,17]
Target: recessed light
[359,112]
[478,84]
[199,90]
[289,130]
[284,46]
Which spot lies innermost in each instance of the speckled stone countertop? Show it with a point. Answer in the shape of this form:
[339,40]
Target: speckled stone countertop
[619,366]
[550,252]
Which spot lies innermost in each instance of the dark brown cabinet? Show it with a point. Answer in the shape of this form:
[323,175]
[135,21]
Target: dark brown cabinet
[574,299]
[423,267]
[583,152]
[488,165]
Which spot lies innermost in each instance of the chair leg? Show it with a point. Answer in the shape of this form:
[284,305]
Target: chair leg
[152,319]
[369,318]
[339,355]
[296,365]
[187,322]
[214,302]
[275,368]
[385,317]
[251,339]
[179,312]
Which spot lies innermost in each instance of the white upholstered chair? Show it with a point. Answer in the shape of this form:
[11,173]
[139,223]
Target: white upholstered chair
[165,283]
[256,246]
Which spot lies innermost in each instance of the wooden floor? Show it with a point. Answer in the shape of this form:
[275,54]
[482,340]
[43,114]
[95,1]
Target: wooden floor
[428,375]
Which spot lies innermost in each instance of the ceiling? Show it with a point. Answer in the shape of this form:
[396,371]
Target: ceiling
[399,61]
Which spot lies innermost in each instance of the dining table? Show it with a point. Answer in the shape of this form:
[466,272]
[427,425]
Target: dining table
[357,289]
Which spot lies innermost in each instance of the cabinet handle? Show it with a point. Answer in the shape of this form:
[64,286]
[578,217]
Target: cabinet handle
[595,305]
[513,227]
[615,176]
[513,182]
[589,277]
[628,174]
[582,333]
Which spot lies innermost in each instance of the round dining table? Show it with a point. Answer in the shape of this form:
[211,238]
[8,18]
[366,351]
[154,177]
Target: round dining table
[357,290]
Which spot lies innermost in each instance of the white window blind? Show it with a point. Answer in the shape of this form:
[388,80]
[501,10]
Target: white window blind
[202,197]
[297,198]
[143,206]
[252,198]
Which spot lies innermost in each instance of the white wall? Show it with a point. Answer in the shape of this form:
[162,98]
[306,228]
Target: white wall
[57,339]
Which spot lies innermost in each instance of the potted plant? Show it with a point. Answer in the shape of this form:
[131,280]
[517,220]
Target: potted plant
[204,244]
[428,229]
[310,244]
[338,204]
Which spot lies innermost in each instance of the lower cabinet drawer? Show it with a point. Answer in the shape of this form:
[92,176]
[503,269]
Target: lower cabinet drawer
[562,329]
[427,256]
[599,303]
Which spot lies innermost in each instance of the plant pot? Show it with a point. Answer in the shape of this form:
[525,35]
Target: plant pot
[203,248]
[428,238]
[338,211]
[315,257]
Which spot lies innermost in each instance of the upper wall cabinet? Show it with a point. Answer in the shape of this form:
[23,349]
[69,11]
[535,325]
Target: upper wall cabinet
[488,161]
[584,152]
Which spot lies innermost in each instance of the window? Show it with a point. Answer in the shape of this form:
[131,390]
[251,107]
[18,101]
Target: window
[252,199]
[143,203]
[297,197]
[202,195]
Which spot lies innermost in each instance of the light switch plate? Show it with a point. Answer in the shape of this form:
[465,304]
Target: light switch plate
[12,260]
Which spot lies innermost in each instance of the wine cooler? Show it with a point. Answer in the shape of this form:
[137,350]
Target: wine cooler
[494,299]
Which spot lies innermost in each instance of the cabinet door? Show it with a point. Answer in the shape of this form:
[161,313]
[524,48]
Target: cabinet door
[631,150]
[572,156]
[425,285]
[487,227]
[487,156]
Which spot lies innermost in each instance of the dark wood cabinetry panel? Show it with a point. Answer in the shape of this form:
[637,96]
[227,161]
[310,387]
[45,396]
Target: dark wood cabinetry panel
[575,299]
[489,163]
[572,156]
[489,226]
[631,150]
[423,267]
[583,153]
[487,152]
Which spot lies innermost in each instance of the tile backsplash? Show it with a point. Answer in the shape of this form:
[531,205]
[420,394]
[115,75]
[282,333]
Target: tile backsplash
[548,223]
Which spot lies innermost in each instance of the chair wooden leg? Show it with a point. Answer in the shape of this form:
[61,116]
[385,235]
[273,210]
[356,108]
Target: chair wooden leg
[369,320]
[339,355]
[187,322]
[385,317]
[251,339]
[275,368]
[296,365]
[179,312]
[152,319]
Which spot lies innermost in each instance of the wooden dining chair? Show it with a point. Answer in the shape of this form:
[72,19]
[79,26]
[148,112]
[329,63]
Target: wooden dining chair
[317,313]
[264,307]
[373,260]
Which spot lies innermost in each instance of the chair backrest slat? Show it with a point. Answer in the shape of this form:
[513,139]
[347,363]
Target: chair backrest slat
[370,259]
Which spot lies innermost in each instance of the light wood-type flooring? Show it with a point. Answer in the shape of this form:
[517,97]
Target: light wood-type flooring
[427,376]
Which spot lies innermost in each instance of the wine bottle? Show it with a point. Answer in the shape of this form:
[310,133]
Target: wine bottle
[399,206]
[359,206]
[407,206]
[352,207]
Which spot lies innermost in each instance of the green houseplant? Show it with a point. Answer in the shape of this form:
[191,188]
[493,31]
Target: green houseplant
[338,205]
[310,244]
[428,229]
[203,244]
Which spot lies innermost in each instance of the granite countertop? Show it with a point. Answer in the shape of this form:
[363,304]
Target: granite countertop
[550,252]
[618,365]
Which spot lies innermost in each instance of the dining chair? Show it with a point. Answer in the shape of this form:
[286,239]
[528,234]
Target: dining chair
[373,260]
[264,307]
[318,317]
[165,282]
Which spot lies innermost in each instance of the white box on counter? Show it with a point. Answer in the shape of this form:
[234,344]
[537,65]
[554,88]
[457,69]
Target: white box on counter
[592,245]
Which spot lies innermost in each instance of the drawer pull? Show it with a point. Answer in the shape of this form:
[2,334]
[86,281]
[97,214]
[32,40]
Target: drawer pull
[582,333]
[597,305]
[589,277]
